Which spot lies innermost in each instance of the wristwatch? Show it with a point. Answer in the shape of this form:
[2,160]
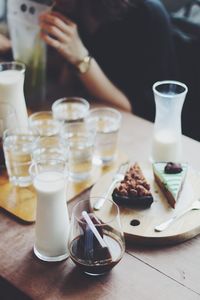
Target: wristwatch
[84,64]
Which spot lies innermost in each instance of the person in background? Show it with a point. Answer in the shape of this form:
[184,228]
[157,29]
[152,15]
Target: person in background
[118,48]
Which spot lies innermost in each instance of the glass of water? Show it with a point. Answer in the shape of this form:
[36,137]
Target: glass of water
[44,123]
[106,122]
[18,147]
[79,138]
[50,147]
[72,109]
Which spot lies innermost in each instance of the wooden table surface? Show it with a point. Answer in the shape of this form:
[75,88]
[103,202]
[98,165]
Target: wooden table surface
[171,272]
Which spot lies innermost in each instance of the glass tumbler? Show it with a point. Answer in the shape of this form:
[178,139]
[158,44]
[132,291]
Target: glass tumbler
[96,252]
[79,139]
[72,109]
[44,123]
[18,146]
[107,122]
[50,147]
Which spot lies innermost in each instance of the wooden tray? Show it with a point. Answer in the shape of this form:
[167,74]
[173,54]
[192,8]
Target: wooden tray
[21,202]
[143,232]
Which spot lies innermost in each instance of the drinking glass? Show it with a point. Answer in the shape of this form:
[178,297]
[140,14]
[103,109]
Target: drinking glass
[50,147]
[80,139]
[7,121]
[44,123]
[18,146]
[106,122]
[88,252]
[72,109]
[167,136]
[52,221]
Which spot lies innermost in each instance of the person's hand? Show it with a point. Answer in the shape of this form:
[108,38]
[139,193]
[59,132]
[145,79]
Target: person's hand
[5,44]
[62,34]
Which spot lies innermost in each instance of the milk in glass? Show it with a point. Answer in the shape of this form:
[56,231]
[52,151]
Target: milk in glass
[166,146]
[11,90]
[52,221]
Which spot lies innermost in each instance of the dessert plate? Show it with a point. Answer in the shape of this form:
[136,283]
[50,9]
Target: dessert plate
[138,224]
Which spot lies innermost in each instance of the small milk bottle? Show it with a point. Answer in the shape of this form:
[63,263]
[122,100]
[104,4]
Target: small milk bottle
[52,221]
[12,90]
[167,134]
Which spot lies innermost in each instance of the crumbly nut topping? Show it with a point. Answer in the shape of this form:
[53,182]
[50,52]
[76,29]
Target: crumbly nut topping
[134,183]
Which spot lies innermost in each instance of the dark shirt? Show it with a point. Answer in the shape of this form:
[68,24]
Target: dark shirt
[136,51]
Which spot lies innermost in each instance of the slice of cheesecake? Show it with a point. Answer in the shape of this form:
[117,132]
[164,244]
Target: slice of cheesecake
[170,178]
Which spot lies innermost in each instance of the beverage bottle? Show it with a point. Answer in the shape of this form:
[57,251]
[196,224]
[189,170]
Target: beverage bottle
[167,134]
[12,90]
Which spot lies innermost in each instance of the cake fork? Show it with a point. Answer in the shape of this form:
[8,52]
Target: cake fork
[161,227]
[118,176]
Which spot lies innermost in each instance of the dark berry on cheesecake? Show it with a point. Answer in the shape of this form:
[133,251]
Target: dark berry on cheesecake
[173,168]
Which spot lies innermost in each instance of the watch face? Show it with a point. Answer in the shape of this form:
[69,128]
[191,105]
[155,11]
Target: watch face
[84,65]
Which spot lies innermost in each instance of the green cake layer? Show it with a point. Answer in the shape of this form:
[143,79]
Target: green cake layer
[170,184]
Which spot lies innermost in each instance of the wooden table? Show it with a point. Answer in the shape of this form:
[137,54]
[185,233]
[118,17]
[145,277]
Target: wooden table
[144,272]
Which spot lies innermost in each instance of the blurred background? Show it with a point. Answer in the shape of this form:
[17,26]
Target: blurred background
[185,17]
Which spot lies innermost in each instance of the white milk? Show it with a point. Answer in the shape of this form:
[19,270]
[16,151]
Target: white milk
[11,91]
[166,147]
[52,221]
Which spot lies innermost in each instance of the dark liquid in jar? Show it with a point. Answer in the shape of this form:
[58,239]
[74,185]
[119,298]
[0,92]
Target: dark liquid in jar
[105,261]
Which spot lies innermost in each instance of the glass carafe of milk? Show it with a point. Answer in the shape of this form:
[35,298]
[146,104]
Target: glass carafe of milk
[167,135]
[12,90]
[52,221]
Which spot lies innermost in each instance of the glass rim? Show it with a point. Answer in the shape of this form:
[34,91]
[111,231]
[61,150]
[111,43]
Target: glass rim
[108,109]
[34,164]
[86,130]
[21,133]
[13,63]
[156,84]
[72,98]
[87,200]
[50,138]
[45,112]
[26,163]
[38,122]
[88,136]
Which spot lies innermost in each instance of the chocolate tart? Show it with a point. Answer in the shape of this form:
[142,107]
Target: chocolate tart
[132,201]
[133,190]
